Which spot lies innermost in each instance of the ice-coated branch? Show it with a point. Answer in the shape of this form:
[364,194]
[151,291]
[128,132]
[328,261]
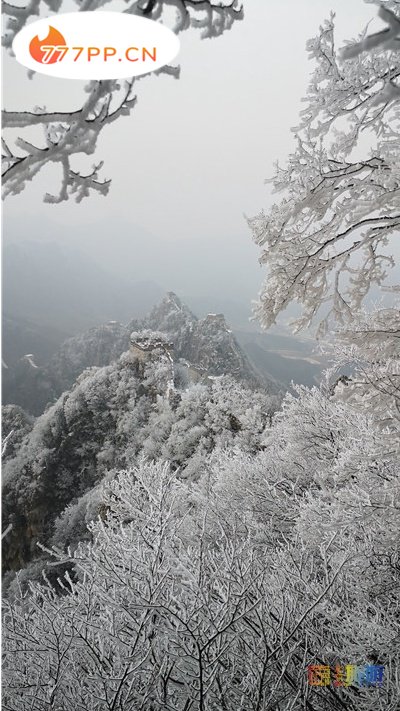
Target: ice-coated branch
[389,38]
[65,134]
[173,602]
[76,132]
[212,16]
[325,242]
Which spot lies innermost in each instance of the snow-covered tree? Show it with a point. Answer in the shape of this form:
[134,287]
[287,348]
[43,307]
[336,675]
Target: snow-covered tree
[110,416]
[325,242]
[68,133]
[171,606]
[214,595]
[370,347]
[16,424]
[238,545]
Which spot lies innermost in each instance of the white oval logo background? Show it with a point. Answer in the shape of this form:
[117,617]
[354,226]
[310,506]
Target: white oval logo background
[140,45]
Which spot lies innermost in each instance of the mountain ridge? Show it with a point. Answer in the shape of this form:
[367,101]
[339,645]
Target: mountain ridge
[207,344]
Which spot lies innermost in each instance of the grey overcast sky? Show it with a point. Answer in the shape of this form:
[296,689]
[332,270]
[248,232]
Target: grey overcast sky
[192,157]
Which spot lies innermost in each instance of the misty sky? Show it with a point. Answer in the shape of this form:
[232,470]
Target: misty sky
[192,157]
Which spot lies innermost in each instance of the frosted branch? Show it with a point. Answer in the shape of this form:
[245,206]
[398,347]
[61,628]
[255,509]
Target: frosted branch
[67,134]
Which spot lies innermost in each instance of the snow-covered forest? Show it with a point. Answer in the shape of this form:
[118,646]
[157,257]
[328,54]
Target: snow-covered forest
[180,532]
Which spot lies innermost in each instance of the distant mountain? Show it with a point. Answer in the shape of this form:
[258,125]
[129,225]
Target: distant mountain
[136,404]
[26,384]
[21,336]
[206,344]
[33,386]
[173,317]
[99,346]
[53,291]
[62,288]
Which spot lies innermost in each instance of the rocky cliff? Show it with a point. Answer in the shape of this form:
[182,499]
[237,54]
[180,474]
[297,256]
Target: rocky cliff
[207,345]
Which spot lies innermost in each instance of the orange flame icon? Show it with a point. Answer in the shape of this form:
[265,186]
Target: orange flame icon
[49,50]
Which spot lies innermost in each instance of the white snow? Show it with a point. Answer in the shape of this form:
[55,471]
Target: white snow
[29,357]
